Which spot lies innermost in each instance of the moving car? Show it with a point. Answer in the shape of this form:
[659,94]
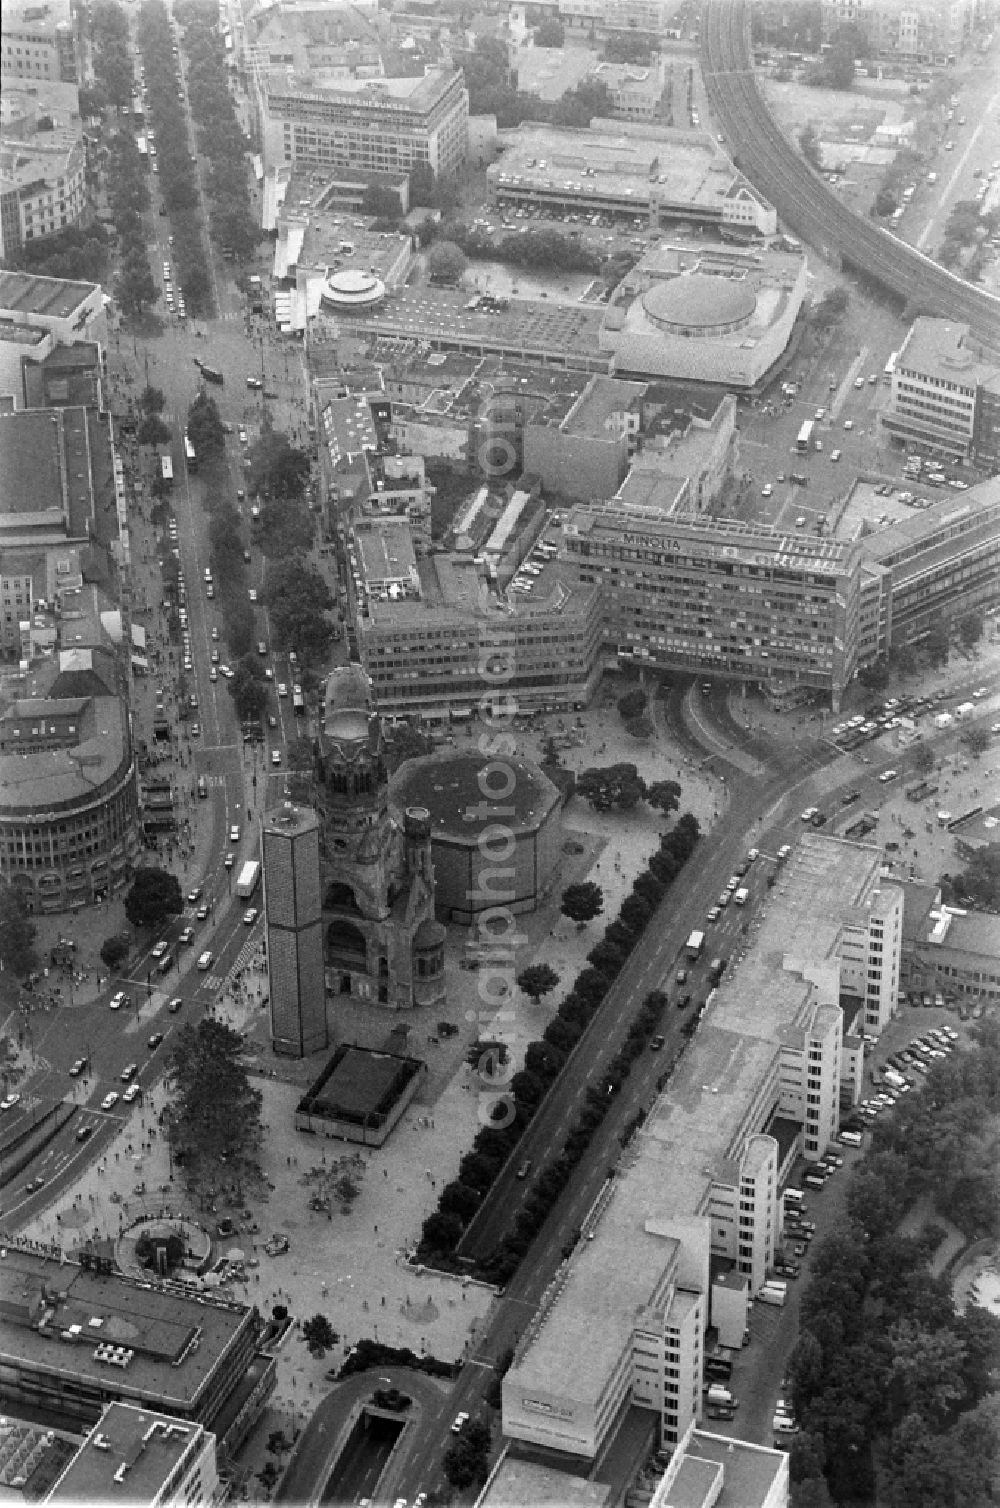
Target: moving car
[110,1100]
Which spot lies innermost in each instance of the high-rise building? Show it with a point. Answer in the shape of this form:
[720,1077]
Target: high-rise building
[293,916]
[384,125]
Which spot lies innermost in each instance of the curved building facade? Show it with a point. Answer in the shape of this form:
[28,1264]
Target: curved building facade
[70,830]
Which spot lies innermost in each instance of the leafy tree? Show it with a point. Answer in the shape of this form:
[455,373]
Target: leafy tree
[268,1476]
[114,951]
[153,431]
[248,689]
[582,902]
[609,787]
[537,980]
[152,400]
[551,33]
[136,289]
[632,704]
[976,740]
[665,795]
[970,629]
[278,469]
[154,897]
[446,262]
[927,1369]
[205,428]
[381,203]
[923,759]
[298,599]
[277,1442]
[213,1121]
[17,933]
[442,1232]
[810,147]
[885,203]
[936,643]
[319,1335]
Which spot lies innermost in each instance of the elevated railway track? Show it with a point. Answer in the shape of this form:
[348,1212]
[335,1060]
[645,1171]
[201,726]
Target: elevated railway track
[802,199]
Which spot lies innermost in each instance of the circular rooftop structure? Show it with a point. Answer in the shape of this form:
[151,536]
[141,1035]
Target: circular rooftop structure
[700,306]
[352,289]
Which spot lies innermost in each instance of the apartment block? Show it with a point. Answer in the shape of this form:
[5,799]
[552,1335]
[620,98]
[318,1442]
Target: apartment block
[737,599]
[39,42]
[43,190]
[385,125]
[916,31]
[686,1233]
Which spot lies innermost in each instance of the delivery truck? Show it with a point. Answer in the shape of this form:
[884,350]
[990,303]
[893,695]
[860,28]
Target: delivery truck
[249,878]
[694,945]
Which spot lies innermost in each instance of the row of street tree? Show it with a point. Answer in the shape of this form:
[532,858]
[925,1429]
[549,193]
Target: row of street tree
[177,171]
[543,1063]
[220,138]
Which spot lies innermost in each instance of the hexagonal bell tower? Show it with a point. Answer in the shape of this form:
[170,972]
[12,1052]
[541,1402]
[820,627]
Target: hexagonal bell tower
[378,881]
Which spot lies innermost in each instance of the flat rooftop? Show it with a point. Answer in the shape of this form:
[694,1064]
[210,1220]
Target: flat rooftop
[605,397]
[939,347]
[441,314]
[156,1325]
[31,480]
[688,1137]
[418,93]
[888,527]
[617,160]
[22,293]
[448,786]
[385,551]
[518,1482]
[361,1084]
[744,1475]
[746,542]
[146,1446]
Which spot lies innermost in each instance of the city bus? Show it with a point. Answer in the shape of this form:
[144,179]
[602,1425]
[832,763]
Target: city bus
[167,470]
[804,441]
[189,454]
[889,368]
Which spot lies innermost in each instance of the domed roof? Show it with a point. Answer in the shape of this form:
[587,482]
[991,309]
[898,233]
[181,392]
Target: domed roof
[353,288]
[698,300]
[430,934]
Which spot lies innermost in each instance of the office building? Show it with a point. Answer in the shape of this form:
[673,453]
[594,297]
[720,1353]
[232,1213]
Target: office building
[920,568]
[704,1469]
[385,125]
[686,1233]
[427,628]
[943,392]
[76,1336]
[659,173]
[144,1458]
[68,311]
[294,923]
[39,42]
[951,951]
[740,600]
[589,21]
